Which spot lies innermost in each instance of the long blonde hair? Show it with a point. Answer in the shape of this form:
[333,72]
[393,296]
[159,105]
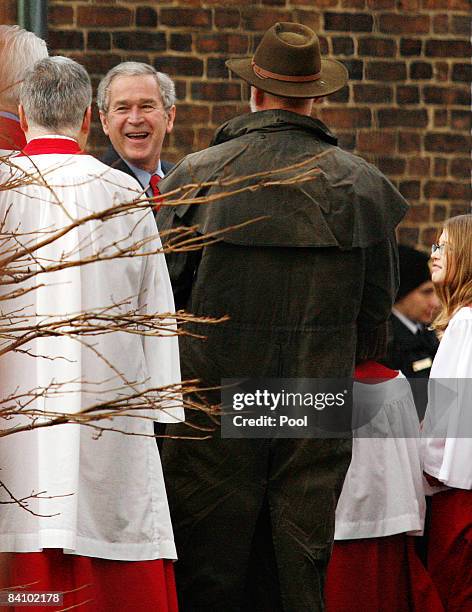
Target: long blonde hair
[456,290]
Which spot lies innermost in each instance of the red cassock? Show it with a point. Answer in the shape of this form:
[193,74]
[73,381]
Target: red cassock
[450,548]
[96,585]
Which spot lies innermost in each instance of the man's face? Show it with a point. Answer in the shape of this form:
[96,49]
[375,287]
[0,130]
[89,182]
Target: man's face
[420,305]
[136,121]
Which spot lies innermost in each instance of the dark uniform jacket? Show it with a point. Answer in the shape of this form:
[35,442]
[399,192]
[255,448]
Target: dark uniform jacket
[301,284]
[111,158]
[413,355]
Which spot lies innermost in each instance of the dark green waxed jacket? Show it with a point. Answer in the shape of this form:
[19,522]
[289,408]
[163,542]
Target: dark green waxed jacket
[303,286]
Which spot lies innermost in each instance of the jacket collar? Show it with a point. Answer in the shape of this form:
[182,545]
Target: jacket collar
[271,121]
[48,145]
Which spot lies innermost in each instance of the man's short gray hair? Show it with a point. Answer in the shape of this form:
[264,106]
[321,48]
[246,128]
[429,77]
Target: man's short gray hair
[164,82]
[19,50]
[55,94]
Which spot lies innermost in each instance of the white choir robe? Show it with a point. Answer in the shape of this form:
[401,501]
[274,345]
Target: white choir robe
[383,491]
[113,503]
[447,427]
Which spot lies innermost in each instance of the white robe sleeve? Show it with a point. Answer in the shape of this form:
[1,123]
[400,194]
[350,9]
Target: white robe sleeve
[447,429]
[161,352]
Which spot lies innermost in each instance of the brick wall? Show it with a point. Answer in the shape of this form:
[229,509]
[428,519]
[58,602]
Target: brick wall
[406,107]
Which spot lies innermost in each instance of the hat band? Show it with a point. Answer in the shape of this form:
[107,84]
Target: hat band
[266,74]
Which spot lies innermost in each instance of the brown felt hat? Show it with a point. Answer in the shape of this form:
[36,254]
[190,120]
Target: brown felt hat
[288,63]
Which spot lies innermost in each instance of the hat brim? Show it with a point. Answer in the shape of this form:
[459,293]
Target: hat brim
[334,76]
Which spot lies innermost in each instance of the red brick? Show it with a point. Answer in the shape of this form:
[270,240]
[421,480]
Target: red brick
[440,166]
[221,113]
[349,22]
[461,167]
[372,93]
[66,39]
[404,24]
[98,41]
[418,166]
[381,4]
[447,190]
[8,12]
[182,138]
[320,4]
[216,68]
[355,69]
[398,117]
[60,14]
[103,16]
[460,26]
[181,42]
[461,120]
[261,18]
[448,48]
[408,94]
[440,118]
[355,4]
[222,43]
[408,5]
[459,209]
[421,70]
[146,17]
[376,142]
[341,96]
[437,5]
[409,142]
[410,189]
[308,18]
[179,65]
[440,24]
[216,91]
[428,235]
[417,214]
[377,47]
[274,2]
[410,46]
[193,113]
[343,45]
[392,166]
[462,72]
[408,235]
[346,117]
[139,40]
[447,95]
[447,143]
[439,213]
[203,138]
[227,18]
[185,17]
[96,63]
[386,71]
[441,71]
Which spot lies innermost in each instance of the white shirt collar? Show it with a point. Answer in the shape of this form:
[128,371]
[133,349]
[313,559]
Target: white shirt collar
[412,326]
[143,176]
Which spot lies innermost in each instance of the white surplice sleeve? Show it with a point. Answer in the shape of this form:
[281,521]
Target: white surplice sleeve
[161,352]
[447,429]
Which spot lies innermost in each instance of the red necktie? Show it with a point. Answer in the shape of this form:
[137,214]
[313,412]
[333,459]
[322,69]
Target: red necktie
[156,194]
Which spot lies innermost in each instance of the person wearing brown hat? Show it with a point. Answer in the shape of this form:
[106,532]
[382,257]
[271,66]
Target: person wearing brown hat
[254,518]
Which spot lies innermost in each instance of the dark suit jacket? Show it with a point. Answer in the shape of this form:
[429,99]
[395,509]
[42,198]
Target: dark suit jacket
[410,353]
[111,158]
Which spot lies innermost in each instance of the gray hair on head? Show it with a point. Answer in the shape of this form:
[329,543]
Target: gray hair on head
[56,93]
[19,50]
[164,82]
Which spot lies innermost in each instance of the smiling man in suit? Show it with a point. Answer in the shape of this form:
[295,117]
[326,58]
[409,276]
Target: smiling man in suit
[137,111]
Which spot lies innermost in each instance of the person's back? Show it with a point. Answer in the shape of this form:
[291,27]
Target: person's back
[74,294]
